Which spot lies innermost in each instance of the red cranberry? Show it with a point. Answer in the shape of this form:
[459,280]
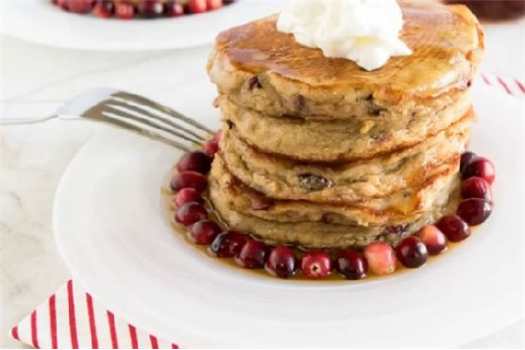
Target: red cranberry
[476,187]
[191,179]
[197,6]
[380,257]
[80,6]
[124,9]
[62,4]
[252,255]
[481,167]
[187,195]
[174,9]
[214,4]
[433,238]
[474,210]
[454,228]
[204,232]
[150,8]
[351,265]
[316,264]
[211,147]
[281,262]
[190,213]
[198,161]
[412,252]
[227,244]
[466,159]
[104,8]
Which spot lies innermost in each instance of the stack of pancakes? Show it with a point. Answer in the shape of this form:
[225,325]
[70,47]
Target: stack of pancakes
[320,153]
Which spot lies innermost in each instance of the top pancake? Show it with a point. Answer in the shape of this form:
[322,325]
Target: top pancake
[447,46]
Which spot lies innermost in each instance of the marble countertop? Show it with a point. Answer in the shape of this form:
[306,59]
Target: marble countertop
[36,79]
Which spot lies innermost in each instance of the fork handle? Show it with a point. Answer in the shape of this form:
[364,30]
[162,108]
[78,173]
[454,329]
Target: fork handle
[23,121]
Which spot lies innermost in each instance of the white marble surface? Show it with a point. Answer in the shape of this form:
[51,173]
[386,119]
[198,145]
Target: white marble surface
[37,79]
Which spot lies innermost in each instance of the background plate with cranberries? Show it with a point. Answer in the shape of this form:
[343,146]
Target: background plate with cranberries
[126,27]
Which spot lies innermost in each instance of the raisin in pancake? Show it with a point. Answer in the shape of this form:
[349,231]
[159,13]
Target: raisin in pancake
[263,69]
[283,178]
[334,141]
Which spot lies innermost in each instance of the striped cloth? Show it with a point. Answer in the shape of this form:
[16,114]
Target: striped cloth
[71,319]
[511,86]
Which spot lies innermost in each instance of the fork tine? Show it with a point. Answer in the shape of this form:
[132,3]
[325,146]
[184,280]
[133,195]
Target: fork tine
[149,103]
[124,114]
[108,118]
[141,110]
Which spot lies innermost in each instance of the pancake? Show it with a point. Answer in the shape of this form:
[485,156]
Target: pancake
[265,70]
[283,178]
[337,140]
[320,226]
[399,207]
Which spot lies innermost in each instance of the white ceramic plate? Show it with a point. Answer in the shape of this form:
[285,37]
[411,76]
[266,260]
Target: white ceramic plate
[40,22]
[117,241]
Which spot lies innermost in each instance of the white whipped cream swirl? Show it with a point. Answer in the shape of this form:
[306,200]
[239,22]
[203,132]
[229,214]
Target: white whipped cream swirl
[364,31]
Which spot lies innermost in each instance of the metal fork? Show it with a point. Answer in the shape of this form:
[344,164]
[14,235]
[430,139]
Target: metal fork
[131,112]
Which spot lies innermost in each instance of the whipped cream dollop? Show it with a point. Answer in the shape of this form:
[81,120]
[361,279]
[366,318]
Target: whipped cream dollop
[364,31]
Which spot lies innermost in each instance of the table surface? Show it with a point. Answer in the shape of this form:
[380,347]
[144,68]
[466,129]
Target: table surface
[36,79]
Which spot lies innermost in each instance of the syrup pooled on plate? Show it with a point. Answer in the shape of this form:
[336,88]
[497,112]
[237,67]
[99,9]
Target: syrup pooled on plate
[194,216]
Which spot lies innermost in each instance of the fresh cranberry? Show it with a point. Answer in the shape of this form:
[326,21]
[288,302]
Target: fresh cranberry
[190,213]
[380,257]
[197,6]
[481,167]
[174,9]
[316,264]
[198,161]
[211,147]
[218,136]
[62,4]
[227,244]
[252,255]
[454,228]
[214,4]
[474,210]
[186,195]
[191,179]
[281,262]
[203,232]
[476,187]
[466,159]
[412,252]
[433,238]
[351,265]
[124,9]
[80,6]
[150,8]
[104,8]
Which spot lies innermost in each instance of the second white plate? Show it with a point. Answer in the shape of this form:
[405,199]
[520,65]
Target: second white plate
[40,22]
[116,239]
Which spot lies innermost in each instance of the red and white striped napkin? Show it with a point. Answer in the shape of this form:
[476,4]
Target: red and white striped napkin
[72,319]
[511,86]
